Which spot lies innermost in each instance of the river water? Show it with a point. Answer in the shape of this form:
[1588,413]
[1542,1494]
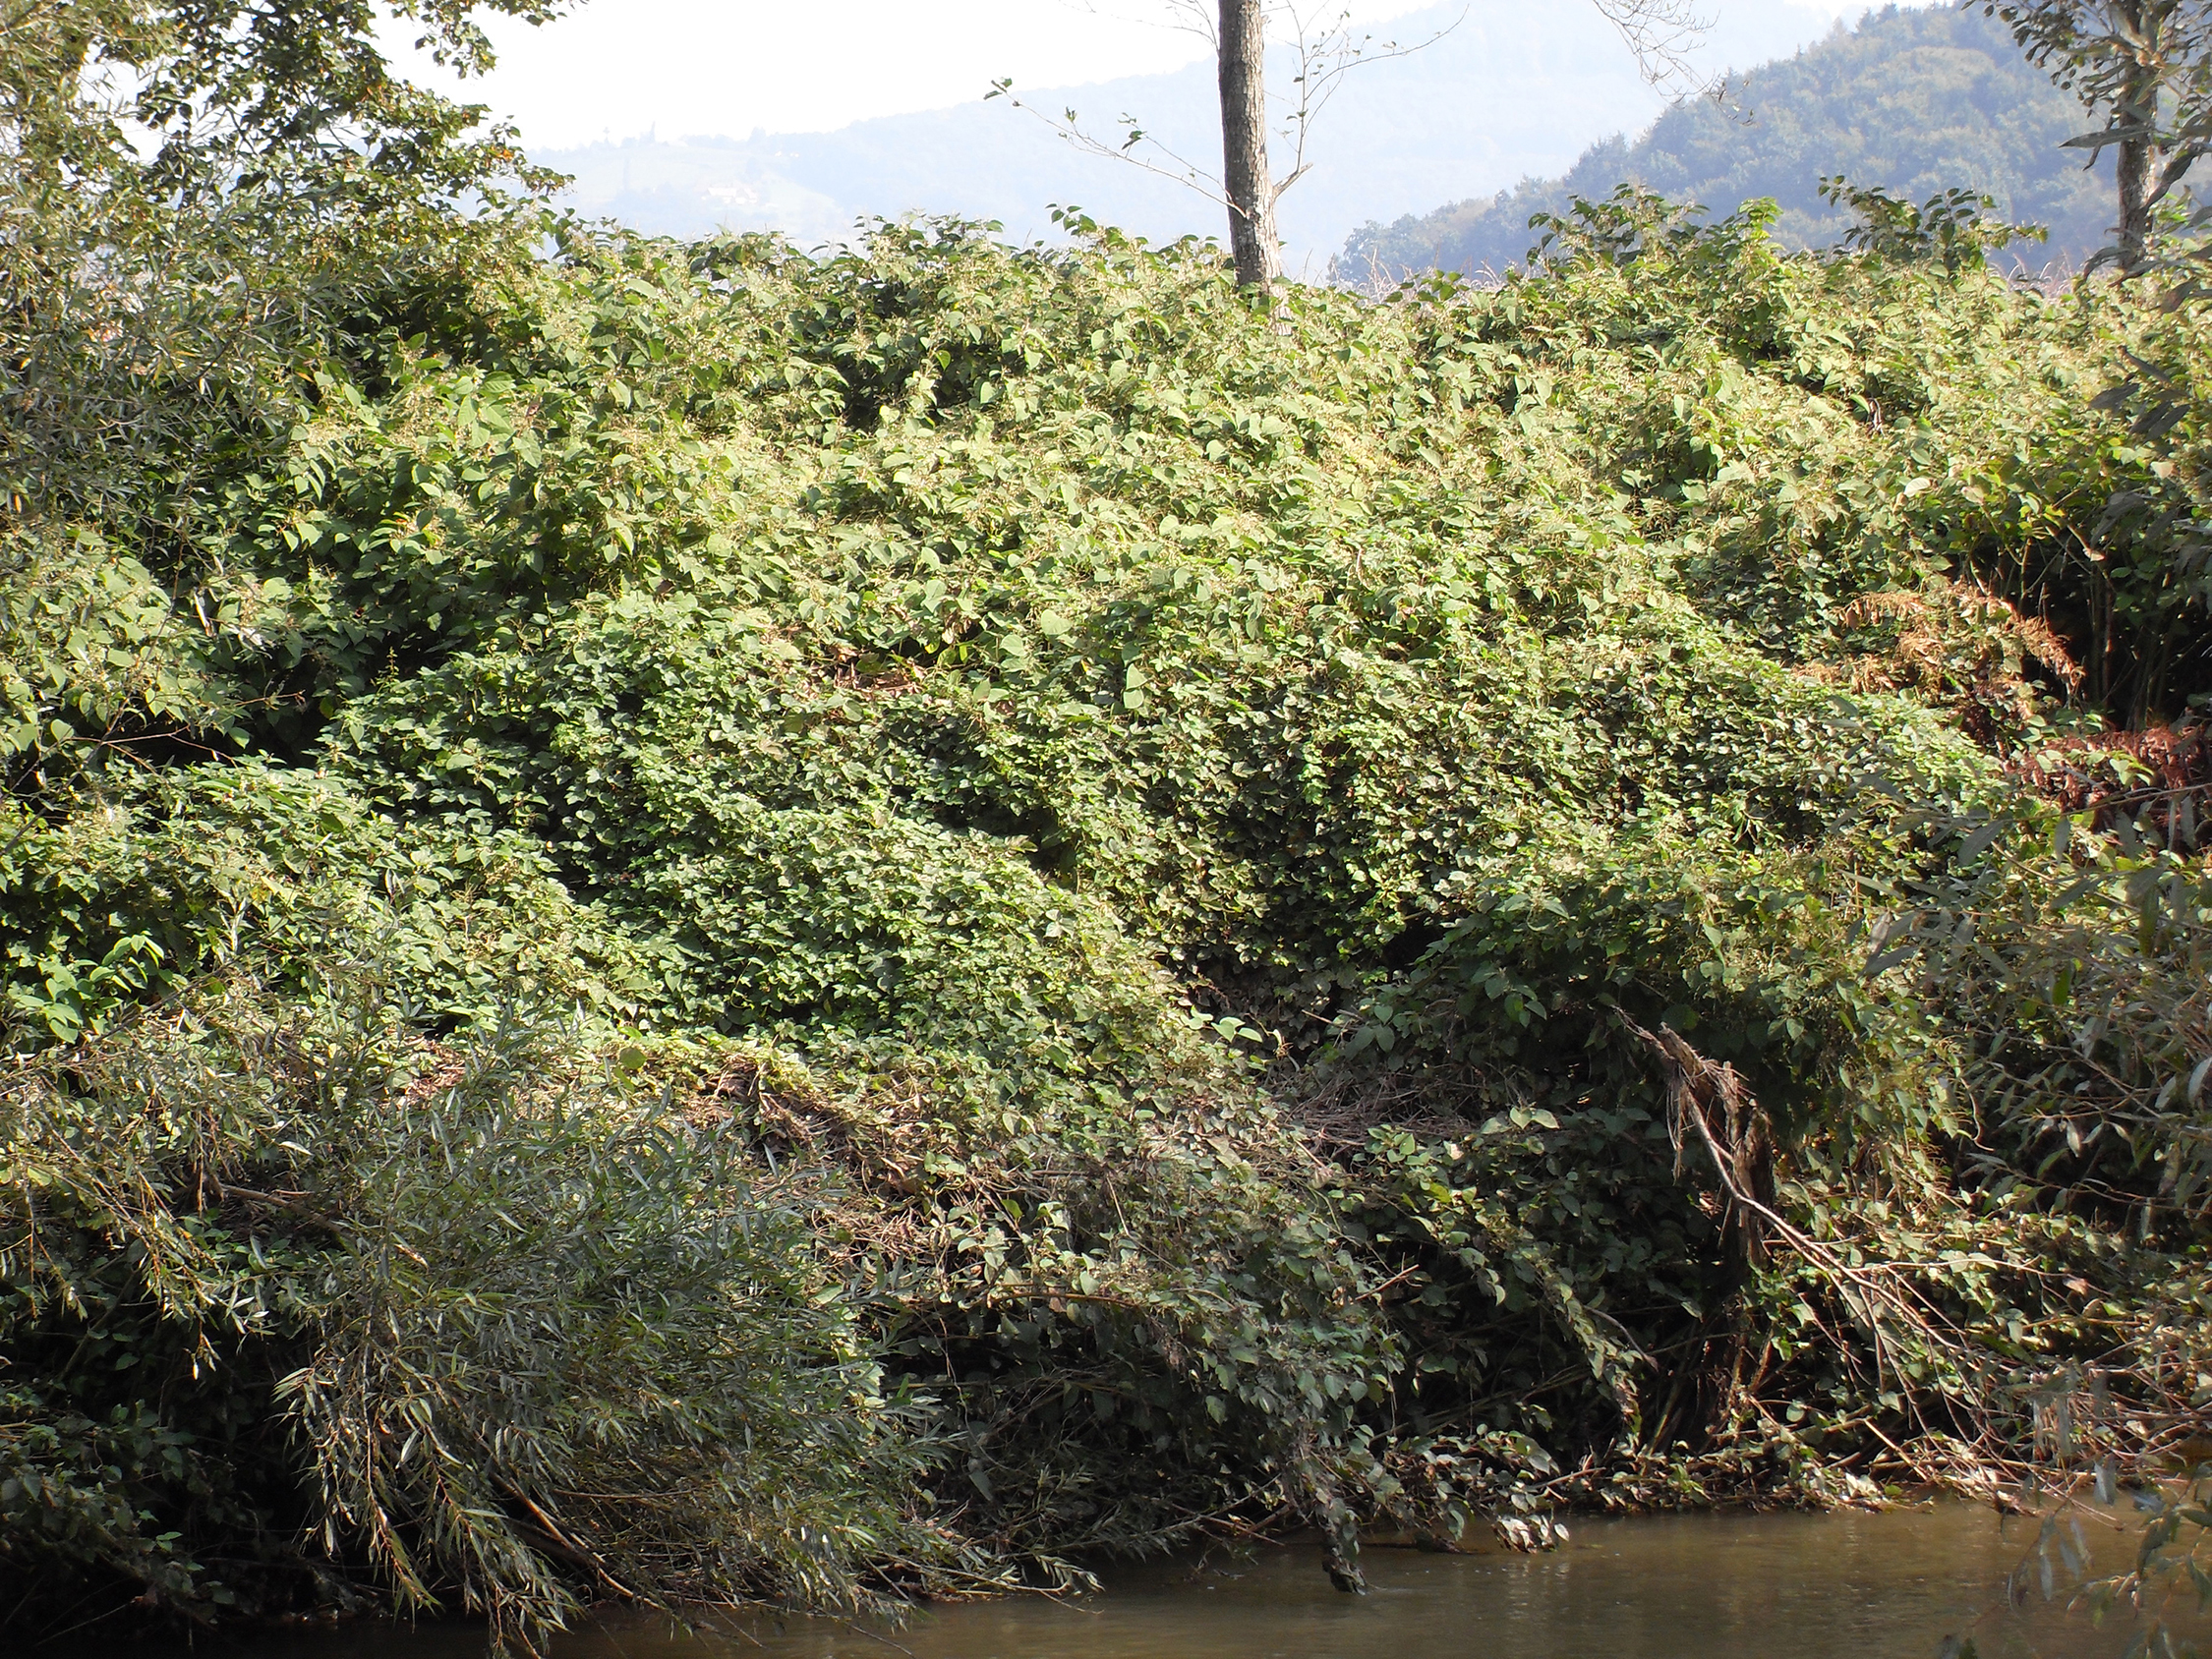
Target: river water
[1697,1586]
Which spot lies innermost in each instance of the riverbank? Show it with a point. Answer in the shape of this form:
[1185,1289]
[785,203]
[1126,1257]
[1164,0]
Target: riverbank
[710,926]
[1841,1585]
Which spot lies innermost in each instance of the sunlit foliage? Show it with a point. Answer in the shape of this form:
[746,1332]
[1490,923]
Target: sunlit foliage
[692,922]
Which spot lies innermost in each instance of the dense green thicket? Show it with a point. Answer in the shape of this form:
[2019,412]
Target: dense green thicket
[687,923]
[1916,101]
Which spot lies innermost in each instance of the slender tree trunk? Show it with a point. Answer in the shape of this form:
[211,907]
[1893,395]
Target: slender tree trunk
[1244,143]
[2135,204]
[2138,110]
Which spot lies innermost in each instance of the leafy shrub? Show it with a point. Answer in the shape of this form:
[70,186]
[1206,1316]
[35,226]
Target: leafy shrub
[1310,901]
[520,1334]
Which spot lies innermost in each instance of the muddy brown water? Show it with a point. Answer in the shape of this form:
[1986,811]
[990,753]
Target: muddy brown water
[1891,1585]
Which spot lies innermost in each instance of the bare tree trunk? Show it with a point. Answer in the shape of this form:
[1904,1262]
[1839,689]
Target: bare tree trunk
[2134,210]
[1244,143]
[2138,112]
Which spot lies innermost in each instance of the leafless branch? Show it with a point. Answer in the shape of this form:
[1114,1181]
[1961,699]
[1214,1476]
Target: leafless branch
[1662,34]
[1701,1095]
[1069,126]
[1326,52]
[1321,42]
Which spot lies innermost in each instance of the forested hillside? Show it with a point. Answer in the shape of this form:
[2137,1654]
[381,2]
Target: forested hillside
[1505,91]
[687,923]
[1916,101]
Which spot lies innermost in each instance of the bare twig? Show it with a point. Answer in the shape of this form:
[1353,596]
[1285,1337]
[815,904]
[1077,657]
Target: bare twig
[1325,48]
[1662,34]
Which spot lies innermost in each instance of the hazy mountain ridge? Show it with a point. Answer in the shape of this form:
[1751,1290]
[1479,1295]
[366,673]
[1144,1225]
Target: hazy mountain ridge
[1916,101]
[1507,94]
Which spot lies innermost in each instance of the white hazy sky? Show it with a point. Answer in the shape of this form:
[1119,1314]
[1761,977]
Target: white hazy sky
[621,68]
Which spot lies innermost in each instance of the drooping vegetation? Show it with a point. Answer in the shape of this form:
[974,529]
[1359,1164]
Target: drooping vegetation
[685,922]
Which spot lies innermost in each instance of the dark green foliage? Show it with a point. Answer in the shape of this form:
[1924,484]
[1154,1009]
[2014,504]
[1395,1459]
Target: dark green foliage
[1915,100]
[290,1294]
[1012,758]
[200,200]
[1951,228]
[693,923]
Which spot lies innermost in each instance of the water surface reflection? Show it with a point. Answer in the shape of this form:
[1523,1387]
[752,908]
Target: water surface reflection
[1703,1587]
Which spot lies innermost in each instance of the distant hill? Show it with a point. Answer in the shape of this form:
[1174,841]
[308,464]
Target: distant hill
[1919,100]
[1512,90]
